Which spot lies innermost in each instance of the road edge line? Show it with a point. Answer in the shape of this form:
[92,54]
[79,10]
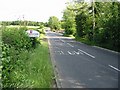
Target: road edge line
[114,68]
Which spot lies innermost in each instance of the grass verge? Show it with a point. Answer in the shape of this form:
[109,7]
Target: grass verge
[71,36]
[92,43]
[84,40]
[36,71]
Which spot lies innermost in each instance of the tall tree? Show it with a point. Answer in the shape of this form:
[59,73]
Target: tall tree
[54,23]
[69,20]
[83,20]
[98,22]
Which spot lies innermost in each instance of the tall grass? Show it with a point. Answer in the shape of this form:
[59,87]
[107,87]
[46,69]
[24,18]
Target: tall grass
[37,70]
[22,65]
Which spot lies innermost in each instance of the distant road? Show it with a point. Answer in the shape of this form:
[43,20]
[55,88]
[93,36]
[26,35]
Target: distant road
[81,66]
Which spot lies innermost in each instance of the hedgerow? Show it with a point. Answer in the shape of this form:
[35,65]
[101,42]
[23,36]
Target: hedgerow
[14,42]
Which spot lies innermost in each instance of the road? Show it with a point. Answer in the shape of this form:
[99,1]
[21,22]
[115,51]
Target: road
[78,65]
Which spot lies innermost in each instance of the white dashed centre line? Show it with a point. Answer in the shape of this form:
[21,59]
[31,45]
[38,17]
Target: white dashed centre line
[114,67]
[86,53]
[67,43]
[62,40]
[70,45]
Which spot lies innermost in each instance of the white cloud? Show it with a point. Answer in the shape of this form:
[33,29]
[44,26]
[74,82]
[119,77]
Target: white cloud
[36,10]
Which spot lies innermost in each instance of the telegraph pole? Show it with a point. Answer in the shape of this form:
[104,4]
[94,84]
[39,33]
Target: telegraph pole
[20,21]
[93,3]
[24,24]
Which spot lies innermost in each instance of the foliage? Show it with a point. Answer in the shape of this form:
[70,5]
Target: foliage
[22,23]
[97,22]
[16,38]
[69,21]
[41,26]
[23,65]
[54,23]
[27,69]
[37,71]
[41,29]
[14,42]
[107,25]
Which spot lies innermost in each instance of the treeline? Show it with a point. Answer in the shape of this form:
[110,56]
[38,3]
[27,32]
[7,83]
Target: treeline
[27,23]
[95,23]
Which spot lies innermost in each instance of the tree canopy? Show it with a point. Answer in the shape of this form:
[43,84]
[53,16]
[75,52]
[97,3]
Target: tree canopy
[54,23]
[98,22]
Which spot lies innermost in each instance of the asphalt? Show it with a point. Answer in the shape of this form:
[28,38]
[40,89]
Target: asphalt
[79,65]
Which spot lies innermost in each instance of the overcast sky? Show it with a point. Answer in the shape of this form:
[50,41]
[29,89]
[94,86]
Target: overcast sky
[34,10]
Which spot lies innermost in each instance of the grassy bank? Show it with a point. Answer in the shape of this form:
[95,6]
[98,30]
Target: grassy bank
[23,65]
[69,36]
[84,40]
[92,43]
[37,70]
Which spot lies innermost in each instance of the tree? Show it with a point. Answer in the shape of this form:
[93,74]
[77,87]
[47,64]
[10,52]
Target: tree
[98,22]
[69,21]
[112,26]
[83,20]
[54,23]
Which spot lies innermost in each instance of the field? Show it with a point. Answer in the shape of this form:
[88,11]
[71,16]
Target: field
[15,26]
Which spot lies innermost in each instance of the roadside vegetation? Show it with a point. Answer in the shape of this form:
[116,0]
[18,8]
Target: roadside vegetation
[96,23]
[27,65]
[54,23]
[24,64]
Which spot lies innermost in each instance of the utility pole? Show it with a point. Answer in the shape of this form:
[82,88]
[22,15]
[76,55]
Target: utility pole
[24,24]
[93,3]
[19,21]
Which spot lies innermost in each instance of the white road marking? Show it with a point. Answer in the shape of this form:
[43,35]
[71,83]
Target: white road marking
[78,52]
[62,52]
[86,53]
[70,45]
[62,40]
[71,53]
[114,67]
[67,43]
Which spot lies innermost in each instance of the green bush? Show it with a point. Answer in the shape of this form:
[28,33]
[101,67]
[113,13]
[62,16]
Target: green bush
[41,31]
[14,42]
[16,38]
